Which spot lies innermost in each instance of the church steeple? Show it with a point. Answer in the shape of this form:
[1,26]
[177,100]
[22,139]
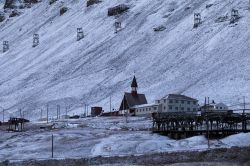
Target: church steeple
[134,87]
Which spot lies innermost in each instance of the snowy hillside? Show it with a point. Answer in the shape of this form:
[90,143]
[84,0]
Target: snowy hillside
[212,60]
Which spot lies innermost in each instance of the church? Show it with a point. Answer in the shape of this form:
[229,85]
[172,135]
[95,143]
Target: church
[132,99]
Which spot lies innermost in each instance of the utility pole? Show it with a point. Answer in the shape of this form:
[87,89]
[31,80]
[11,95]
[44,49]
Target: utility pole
[207,110]
[58,112]
[47,113]
[41,114]
[87,109]
[20,111]
[110,104]
[243,115]
[66,111]
[244,102]
[3,114]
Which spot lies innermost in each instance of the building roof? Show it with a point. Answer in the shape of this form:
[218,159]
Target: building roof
[131,100]
[135,100]
[134,83]
[179,96]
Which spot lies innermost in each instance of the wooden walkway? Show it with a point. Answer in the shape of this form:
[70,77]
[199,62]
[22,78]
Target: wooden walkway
[211,124]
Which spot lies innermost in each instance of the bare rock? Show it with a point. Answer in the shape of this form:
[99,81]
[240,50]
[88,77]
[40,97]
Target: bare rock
[159,28]
[63,10]
[117,10]
[92,2]
[52,1]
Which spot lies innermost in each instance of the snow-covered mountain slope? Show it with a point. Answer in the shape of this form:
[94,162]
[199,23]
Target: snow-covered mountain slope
[211,60]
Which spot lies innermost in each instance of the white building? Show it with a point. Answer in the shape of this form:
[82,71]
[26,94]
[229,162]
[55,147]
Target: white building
[215,107]
[169,103]
[146,109]
[178,103]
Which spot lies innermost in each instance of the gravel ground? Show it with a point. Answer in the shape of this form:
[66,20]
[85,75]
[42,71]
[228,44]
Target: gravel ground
[234,156]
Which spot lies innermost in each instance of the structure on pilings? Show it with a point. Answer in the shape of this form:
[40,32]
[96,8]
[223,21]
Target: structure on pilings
[197,19]
[234,16]
[5,46]
[80,34]
[118,26]
[211,124]
[35,40]
[16,124]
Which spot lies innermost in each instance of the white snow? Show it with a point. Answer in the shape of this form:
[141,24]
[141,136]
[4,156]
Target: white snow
[86,137]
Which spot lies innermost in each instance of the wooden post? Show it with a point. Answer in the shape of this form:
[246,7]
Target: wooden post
[52,146]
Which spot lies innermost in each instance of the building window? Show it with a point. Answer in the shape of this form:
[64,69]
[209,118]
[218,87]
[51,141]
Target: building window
[176,108]
[155,108]
[149,109]
[182,101]
[182,108]
[170,107]
[170,101]
[188,102]
[194,109]
[164,100]
[176,101]
[216,107]
[158,101]
[164,107]
[188,109]
[221,108]
[194,102]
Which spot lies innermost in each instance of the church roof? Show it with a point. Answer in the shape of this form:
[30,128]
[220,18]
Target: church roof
[134,82]
[134,100]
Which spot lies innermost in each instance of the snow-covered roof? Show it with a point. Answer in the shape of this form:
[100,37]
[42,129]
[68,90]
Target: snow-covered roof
[178,96]
[145,105]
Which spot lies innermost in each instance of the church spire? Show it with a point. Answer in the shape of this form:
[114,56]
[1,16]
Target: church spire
[134,87]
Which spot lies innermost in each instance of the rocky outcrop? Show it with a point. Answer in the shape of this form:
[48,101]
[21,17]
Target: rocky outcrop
[15,13]
[13,4]
[63,10]
[2,17]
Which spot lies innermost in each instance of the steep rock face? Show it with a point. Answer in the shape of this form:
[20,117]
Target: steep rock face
[210,60]
[12,4]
